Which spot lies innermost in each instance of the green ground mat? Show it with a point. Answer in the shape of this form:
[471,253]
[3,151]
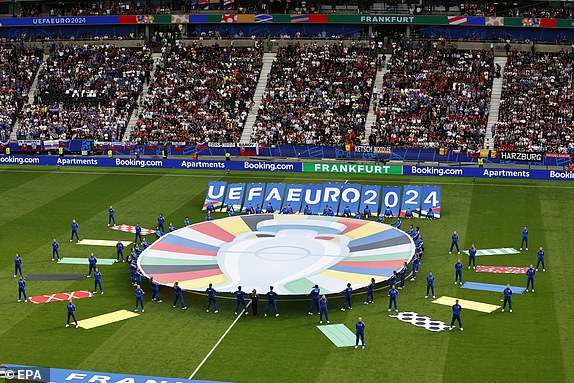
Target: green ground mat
[339,334]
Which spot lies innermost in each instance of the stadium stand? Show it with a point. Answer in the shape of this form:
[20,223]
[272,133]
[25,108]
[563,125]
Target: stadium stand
[18,66]
[434,97]
[537,108]
[199,94]
[317,94]
[86,91]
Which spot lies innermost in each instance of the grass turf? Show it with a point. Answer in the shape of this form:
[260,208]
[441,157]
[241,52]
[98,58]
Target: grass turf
[531,344]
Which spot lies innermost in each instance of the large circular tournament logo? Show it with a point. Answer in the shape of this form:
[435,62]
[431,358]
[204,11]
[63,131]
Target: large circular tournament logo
[290,252]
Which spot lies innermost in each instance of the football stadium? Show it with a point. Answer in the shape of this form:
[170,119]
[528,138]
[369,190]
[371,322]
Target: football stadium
[236,191]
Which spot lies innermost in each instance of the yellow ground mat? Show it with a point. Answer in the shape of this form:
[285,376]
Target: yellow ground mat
[102,320]
[469,305]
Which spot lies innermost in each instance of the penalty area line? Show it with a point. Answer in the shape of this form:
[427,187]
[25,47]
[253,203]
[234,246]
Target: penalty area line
[219,341]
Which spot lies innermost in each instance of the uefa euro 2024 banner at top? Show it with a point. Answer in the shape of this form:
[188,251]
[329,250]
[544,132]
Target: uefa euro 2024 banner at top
[338,198]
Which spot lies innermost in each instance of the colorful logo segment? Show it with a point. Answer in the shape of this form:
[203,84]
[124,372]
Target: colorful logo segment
[290,252]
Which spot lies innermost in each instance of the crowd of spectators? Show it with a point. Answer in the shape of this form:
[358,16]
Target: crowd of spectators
[86,91]
[537,103]
[199,94]
[434,97]
[317,94]
[18,66]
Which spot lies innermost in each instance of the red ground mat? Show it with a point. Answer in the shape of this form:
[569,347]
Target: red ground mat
[501,269]
[132,229]
[61,297]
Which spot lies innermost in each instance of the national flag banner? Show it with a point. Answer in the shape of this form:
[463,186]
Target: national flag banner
[548,23]
[202,2]
[61,297]
[228,18]
[473,153]
[260,148]
[457,20]
[261,18]
[247,151]
[531,22]
[4,144]
[299,18]
[443,151]
[179,19]
[476,20]
[493,153]
[51,144]
[484,152]
[200,146]
[501,269]
[132,229]
[494,21]
[228,2]
[117,147]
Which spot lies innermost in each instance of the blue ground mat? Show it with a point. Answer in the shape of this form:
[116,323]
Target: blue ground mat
[491,287]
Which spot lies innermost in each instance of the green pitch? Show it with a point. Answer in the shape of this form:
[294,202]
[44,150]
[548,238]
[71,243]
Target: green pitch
[532,344]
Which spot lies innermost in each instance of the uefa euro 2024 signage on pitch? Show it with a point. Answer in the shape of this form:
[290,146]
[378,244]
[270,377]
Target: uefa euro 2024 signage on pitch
[337,196]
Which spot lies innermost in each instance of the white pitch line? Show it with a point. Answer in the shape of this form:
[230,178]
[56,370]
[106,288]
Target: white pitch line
[315,179]
[218,342]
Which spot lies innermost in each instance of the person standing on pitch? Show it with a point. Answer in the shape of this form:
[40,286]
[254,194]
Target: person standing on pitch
[254,301]
[93,261]
[154,290]
[22,289]
[403,274]
[530,277]
[370,292]
[55,250]
[186,222]
[139,298]
[456,309]
[161,223]
[75,227]
[430,285]
[271,295]
[524,238]
[240,300]
[347,301]
[120,251]
[178,295]
[416,265]
[323,309]
[393,292]
[315,297]
[138,234]
[507,298]
[211,298]
[360,333]
[17,265]
[472,257]
[98,281]
[540,259]
[458,272]
[111,216]
[71,313]
[454,243]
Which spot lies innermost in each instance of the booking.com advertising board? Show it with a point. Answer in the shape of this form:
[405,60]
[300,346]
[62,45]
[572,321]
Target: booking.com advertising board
[297,167]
